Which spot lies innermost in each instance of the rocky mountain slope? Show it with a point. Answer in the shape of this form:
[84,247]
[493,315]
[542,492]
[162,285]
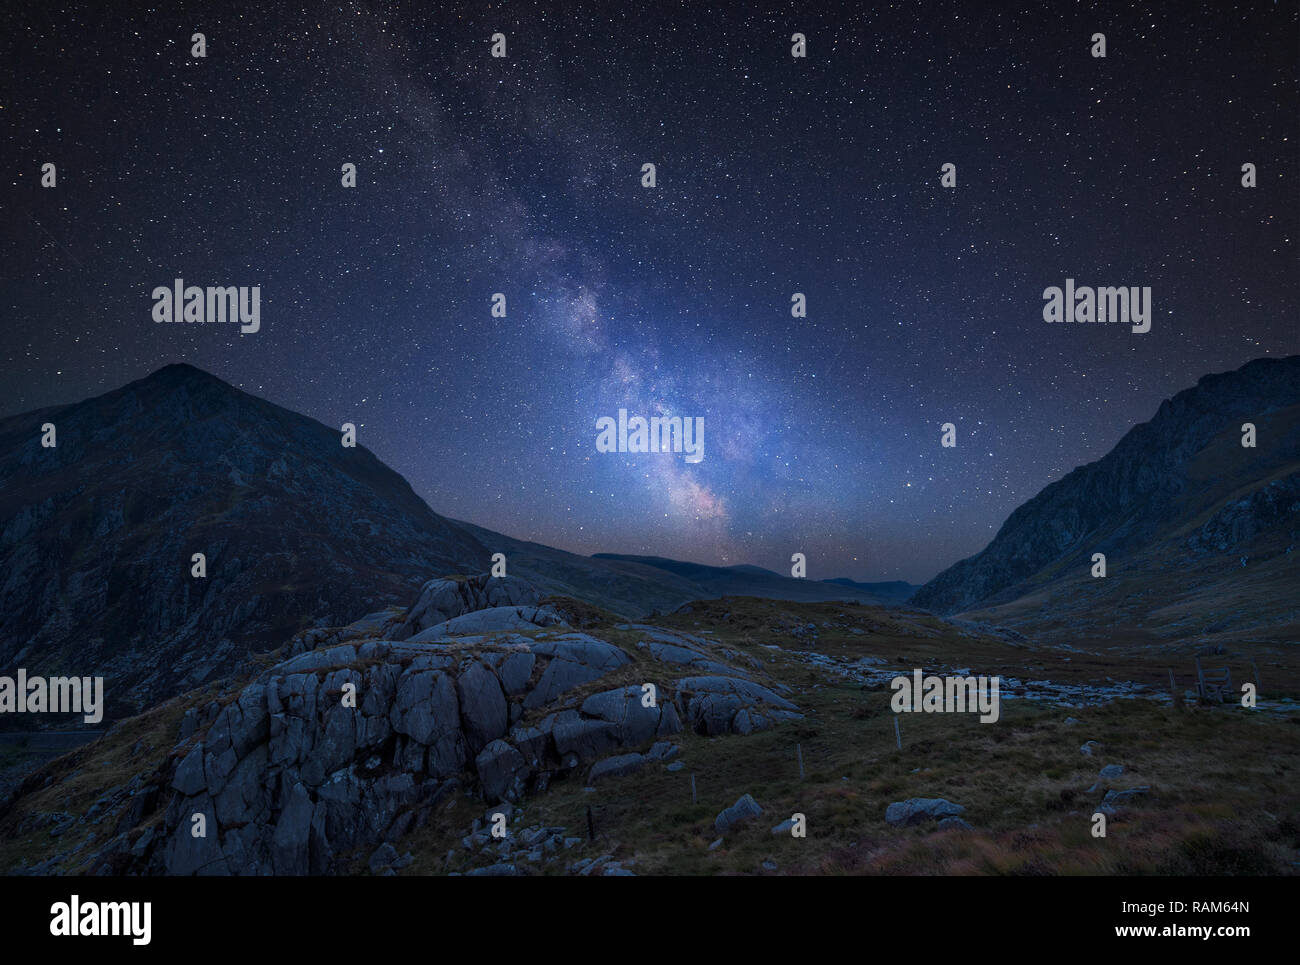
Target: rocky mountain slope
[1182,511]
[97,534]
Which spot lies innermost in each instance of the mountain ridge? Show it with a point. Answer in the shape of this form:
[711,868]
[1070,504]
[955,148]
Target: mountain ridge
[97,534]
[1153,485]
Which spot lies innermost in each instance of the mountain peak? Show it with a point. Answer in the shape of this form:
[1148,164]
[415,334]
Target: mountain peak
[180,370]
[99,534]
[180,374]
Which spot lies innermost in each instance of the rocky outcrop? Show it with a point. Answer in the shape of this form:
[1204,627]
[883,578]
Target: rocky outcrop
[352,745]
[633,721]
[353,737]
[351,740]
[1276,504]
[730,705]
[680,649]
[502,770]
[442,600]
[493,620]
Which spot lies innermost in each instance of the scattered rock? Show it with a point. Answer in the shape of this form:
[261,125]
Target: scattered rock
[619,766]
[744,809]
[918,810]
[592,865]
[1117,798]
[663,751]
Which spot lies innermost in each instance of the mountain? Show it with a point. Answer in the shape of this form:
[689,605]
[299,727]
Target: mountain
[894,590]
[97,534]
[1201,534]
[746,580]
[627,589]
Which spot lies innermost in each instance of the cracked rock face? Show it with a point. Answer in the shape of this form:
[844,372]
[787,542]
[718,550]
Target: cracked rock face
[634,722]
[287,776]
[442,600]
[730,705]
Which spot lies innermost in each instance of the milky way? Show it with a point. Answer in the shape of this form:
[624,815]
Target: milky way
[774,175]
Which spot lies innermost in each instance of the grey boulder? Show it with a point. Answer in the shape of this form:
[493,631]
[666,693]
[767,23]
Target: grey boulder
[744,809]
[918,810]
[618,766]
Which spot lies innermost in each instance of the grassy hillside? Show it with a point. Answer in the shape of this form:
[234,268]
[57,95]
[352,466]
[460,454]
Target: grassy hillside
[1221,779]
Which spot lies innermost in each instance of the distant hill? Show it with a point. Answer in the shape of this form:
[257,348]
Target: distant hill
[893,589]
[1201,535]
[747,580]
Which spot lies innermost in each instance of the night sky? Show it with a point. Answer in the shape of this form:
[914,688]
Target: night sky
[775,175]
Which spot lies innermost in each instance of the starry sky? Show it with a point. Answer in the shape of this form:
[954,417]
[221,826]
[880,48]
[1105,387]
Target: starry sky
[775,175]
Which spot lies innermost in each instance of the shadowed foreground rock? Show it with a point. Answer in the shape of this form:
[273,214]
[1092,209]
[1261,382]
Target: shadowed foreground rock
[351,741]
[918,810]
